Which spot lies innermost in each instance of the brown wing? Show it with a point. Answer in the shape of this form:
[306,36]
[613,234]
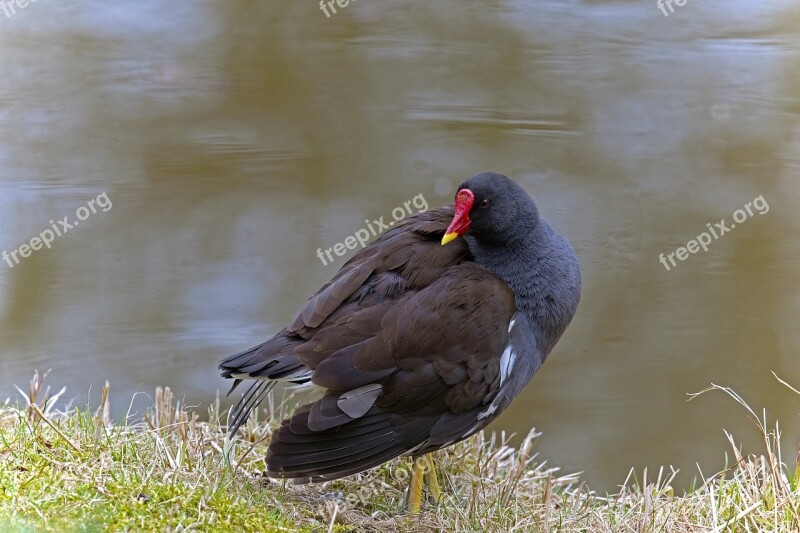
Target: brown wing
[408,332]
[405,258]
[435,354]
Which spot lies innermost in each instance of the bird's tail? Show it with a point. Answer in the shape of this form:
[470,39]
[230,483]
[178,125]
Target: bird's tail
[240,412]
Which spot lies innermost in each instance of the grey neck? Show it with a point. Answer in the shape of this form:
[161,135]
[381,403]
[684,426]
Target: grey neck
[533,266]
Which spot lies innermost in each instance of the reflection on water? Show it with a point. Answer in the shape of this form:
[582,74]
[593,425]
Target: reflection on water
[235,140]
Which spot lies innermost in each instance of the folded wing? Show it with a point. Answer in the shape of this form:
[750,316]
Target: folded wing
[406,340]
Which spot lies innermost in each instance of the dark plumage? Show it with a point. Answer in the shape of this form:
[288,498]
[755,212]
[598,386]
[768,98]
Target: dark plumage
[417,345]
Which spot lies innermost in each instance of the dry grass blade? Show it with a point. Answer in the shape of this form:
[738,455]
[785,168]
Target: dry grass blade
[172,471]
[61,434]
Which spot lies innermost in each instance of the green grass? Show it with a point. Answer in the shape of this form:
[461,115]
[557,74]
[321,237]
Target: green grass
[76,471]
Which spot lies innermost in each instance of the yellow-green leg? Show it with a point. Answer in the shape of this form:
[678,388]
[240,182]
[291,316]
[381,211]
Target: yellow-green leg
[423,473]
[432,481]
[415,488]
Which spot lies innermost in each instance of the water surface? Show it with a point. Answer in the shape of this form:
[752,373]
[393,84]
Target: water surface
[233,140]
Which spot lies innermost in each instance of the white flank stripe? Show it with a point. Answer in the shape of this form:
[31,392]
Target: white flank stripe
[506,363]
[491,409]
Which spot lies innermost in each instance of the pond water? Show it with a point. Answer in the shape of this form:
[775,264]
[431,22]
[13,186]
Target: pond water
[208,149]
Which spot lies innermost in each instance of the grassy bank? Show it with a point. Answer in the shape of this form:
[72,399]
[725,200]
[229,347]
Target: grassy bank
[77,471]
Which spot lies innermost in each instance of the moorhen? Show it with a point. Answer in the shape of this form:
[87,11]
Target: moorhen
[414,345]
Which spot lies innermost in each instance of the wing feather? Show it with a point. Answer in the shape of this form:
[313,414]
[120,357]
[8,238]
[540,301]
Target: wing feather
[406,339]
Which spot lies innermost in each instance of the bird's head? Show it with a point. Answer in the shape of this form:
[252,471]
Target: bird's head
[492,208]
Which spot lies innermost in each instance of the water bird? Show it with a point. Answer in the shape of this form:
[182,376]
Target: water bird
[420,340]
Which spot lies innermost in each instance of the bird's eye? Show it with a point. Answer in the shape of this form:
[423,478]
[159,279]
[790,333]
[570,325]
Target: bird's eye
[485,203]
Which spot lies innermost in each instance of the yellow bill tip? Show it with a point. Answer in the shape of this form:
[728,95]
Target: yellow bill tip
[449,237]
